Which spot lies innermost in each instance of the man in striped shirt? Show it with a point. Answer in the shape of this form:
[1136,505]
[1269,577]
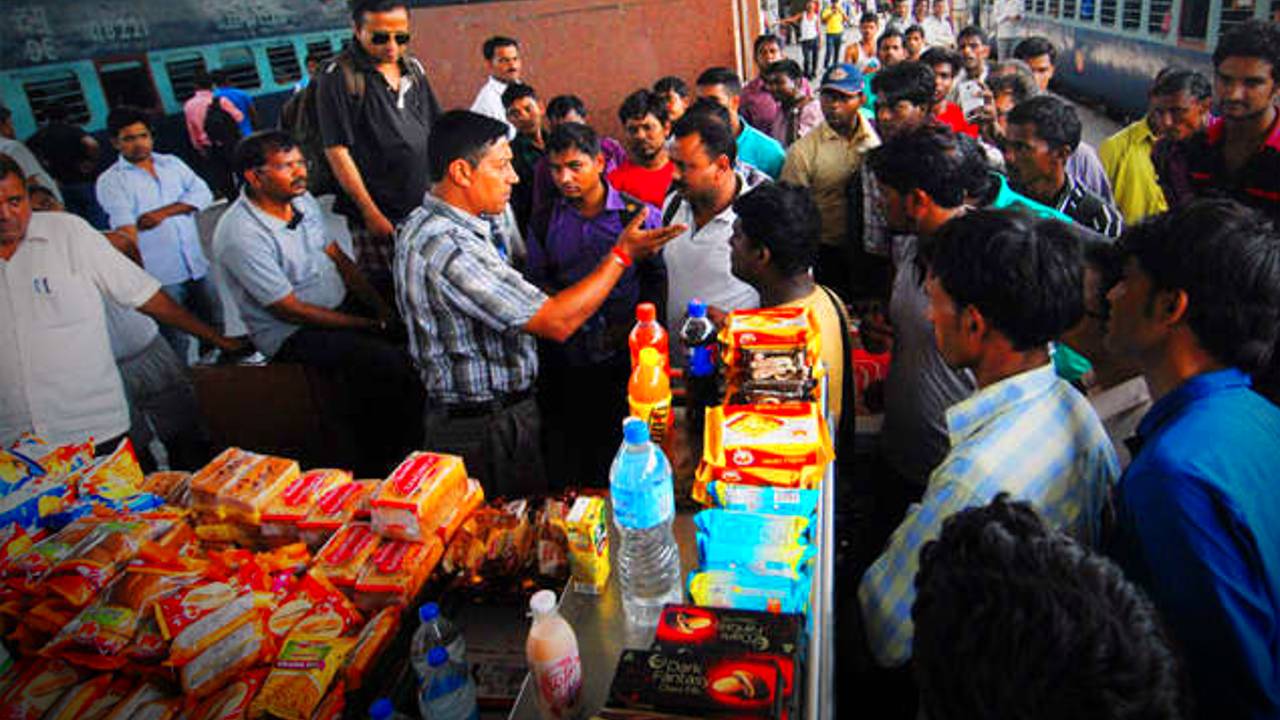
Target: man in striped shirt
[999,289]
[472,318]
[1042,135]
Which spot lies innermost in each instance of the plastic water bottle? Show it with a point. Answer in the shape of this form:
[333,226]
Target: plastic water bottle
[382,709]
[435,630]
[643,510]
[698,335]
[448,692]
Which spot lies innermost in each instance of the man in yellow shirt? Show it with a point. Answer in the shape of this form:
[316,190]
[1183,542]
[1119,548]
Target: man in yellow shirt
[1179,106]
[834,22]
[773,246]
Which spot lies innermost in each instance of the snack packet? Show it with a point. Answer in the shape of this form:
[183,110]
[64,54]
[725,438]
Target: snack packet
[116,692]
[219,473]
[768,500]
[37,690]
[16,470]
[759,333]
[133,703]
[343,558]
[99,556]
[745,590]
[196,617]
[788,436]
[334,704]
[74,704]
[301,676]
[226,659]
[396,572]
[334,508]
[168,484]
[25,571]
[749,529]
[116,481]
[553,539]
[314,608]
[460,512]
[418,496]
[804,477]
[232,701]
[282,514]
[244,498]
[373,639]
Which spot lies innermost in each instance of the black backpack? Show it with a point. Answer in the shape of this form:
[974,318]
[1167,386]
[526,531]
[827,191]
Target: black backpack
[222,129]
[301,119]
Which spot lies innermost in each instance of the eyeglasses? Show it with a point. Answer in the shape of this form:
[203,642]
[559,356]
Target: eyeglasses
[382,38]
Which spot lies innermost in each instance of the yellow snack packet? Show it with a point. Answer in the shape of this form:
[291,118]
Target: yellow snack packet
[587,528]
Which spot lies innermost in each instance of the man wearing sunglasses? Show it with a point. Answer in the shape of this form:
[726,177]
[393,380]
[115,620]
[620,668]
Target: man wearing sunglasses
[375,109]
[503,61]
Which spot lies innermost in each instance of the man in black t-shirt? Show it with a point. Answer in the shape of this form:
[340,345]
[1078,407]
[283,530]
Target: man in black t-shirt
[376,109]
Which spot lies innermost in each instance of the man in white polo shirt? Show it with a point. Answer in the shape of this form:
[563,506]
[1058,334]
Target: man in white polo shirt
[706,185]
[57,374]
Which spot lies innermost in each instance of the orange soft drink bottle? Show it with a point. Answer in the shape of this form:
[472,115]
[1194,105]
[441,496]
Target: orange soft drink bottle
[648,332]
[649,394]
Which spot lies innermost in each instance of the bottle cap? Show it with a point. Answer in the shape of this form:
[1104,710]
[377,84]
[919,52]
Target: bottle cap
[697,308]
[543,602]
[437,656]
[649,356]
[381,709]
[646,312]
[428,612]
[635,431]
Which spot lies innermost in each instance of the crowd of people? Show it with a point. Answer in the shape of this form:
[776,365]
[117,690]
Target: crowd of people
[1072,511]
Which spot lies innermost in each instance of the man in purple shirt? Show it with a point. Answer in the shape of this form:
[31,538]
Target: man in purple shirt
[583,382]
[759,107]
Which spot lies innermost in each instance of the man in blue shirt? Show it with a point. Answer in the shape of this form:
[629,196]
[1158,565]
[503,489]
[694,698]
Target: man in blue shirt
[754,147]
[151,200]
[304,301]
[239,98]
[583,381]
[1198,511]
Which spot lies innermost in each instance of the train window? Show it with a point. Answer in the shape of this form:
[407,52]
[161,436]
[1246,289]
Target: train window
[1234,12]
[127,83]
[182,75]
[1160,18]
[1068,9]
[1039,7]
[1086,10]
[1053,8]
[320,50]
[59,94]
[284,64]
[1193,24]
[1132,17]
[1107,14]
[241,70]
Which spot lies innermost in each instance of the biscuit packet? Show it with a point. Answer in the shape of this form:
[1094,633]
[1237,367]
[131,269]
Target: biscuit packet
[418,496]
[334,508]
[315,607]
[222,471]
[282,514]
[75,703]
[396,572]
[133,703]
[374,638]
[243,499]
[767,500]
[232,701]
[786,436]
[99,556]
[200,615]
[300,677]
[38,689]
[227,659]
[343,558]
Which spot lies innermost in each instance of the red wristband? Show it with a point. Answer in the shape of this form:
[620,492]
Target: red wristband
[621,255]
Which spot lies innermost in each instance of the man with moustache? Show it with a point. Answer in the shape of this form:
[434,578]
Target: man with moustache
[647,171]
[502,60]
[304,301]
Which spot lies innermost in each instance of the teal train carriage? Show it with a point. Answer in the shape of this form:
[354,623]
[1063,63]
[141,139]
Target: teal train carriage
[1109,50]
[80,58]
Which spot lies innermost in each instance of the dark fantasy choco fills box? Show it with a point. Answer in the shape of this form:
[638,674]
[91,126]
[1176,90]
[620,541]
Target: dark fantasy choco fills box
[683,684]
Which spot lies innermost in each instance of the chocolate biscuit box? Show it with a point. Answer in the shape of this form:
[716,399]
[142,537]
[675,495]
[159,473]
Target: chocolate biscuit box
[689,684]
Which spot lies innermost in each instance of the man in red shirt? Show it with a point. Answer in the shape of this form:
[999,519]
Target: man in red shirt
[646,173]
[945,63]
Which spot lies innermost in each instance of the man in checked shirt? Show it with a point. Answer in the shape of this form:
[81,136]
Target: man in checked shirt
[999,289]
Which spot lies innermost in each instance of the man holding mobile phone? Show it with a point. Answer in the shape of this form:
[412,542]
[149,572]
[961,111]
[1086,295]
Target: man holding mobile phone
[582,382]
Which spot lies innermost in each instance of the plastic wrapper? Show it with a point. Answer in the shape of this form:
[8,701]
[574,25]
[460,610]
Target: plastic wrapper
[132,705]
[37,690]
[314,608]
[461,511]
[396,572]
[742,589]
[222,471]
[373,639]
[38,497]
[115,693]
[495,542]
[163,709]
[16,470]
[334,704]
[418,496]
[99,556]
[767,436]
[688,684]
[27,569]
[302,674]
[231,702]
[334,508]
[14,541]
[282,514]
[74,704]
[767,500]
[171,485]
[116,481]
[762,334]
[226,659]
[244,498]
[343,558]
[198,616]
[553,539]
[804,477]
[587,528]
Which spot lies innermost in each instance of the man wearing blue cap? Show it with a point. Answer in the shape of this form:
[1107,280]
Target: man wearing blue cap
[824,160]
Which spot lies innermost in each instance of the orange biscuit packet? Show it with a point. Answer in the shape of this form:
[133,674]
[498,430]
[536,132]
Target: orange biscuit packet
[302,674]
[342,559]
[281,516]
[244,497]
[418,496]
[396,572]
[219,473]
[786,435]
[373,639]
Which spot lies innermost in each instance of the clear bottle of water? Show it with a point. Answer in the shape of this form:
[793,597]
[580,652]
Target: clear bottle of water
[648,560]
[435,630]
[447,693]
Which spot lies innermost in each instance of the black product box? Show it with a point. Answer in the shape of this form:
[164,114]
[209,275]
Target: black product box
[689,684]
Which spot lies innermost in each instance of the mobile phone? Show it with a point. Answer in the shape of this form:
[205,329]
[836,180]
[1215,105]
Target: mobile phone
[970,95]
